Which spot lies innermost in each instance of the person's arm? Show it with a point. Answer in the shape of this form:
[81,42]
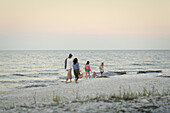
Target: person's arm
[85,68]
[100,67]
[97,75]
[71,64]
[78,66]
[68,64]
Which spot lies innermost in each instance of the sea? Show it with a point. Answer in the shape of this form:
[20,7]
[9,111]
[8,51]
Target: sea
[41,68]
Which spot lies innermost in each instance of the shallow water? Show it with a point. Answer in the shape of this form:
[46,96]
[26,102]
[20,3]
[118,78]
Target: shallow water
[23,69]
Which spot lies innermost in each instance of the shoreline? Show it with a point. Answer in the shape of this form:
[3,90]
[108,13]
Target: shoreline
[84,90]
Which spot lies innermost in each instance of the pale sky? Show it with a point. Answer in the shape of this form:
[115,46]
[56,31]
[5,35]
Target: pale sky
[84,24]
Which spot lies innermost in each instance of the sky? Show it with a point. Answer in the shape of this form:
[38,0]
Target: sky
[84,24]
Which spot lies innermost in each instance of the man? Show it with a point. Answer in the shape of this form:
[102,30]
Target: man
[69,67]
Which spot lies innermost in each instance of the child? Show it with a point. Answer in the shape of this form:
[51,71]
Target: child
[101,67]
[87,69]
[94,75]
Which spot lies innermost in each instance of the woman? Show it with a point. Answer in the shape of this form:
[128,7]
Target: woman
[76,69]
[87,69]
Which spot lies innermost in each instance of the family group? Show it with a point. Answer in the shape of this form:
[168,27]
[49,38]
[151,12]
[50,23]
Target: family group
[73,64]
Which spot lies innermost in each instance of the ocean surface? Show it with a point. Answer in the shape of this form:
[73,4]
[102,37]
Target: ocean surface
[28,69]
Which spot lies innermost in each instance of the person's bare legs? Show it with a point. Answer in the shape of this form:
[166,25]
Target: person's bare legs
[70,79]
[67,77]
[66,80]
[70,76]
[76,80]
[93,76]
[89,74]
[86,75]
[101,74]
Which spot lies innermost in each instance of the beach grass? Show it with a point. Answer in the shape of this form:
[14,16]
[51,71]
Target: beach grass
[126,95]
[122,95]
[57,99]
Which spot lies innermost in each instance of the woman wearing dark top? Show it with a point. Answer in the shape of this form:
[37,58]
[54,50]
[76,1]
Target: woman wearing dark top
[76,69]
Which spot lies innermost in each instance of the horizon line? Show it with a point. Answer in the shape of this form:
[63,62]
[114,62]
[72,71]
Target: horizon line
[78,49]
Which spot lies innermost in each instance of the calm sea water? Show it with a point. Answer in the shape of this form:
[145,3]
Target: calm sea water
[26,69]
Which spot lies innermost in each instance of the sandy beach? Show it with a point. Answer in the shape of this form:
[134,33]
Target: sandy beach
[92,95]
[125,44]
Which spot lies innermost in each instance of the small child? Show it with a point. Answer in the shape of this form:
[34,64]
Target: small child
[101,67]
[94,75]
[87,69]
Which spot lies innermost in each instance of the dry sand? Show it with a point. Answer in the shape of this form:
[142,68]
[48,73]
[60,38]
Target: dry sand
[85,89]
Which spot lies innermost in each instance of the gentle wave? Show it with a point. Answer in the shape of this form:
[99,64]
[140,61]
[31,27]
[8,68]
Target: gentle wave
[8,82]
[37,81]
[19,75]
[48,73]
[3,76]
[22,75]
[64,77]
[30,81]
[150,71]
[145,64]
[32,75]
[112,73]
[31,86]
